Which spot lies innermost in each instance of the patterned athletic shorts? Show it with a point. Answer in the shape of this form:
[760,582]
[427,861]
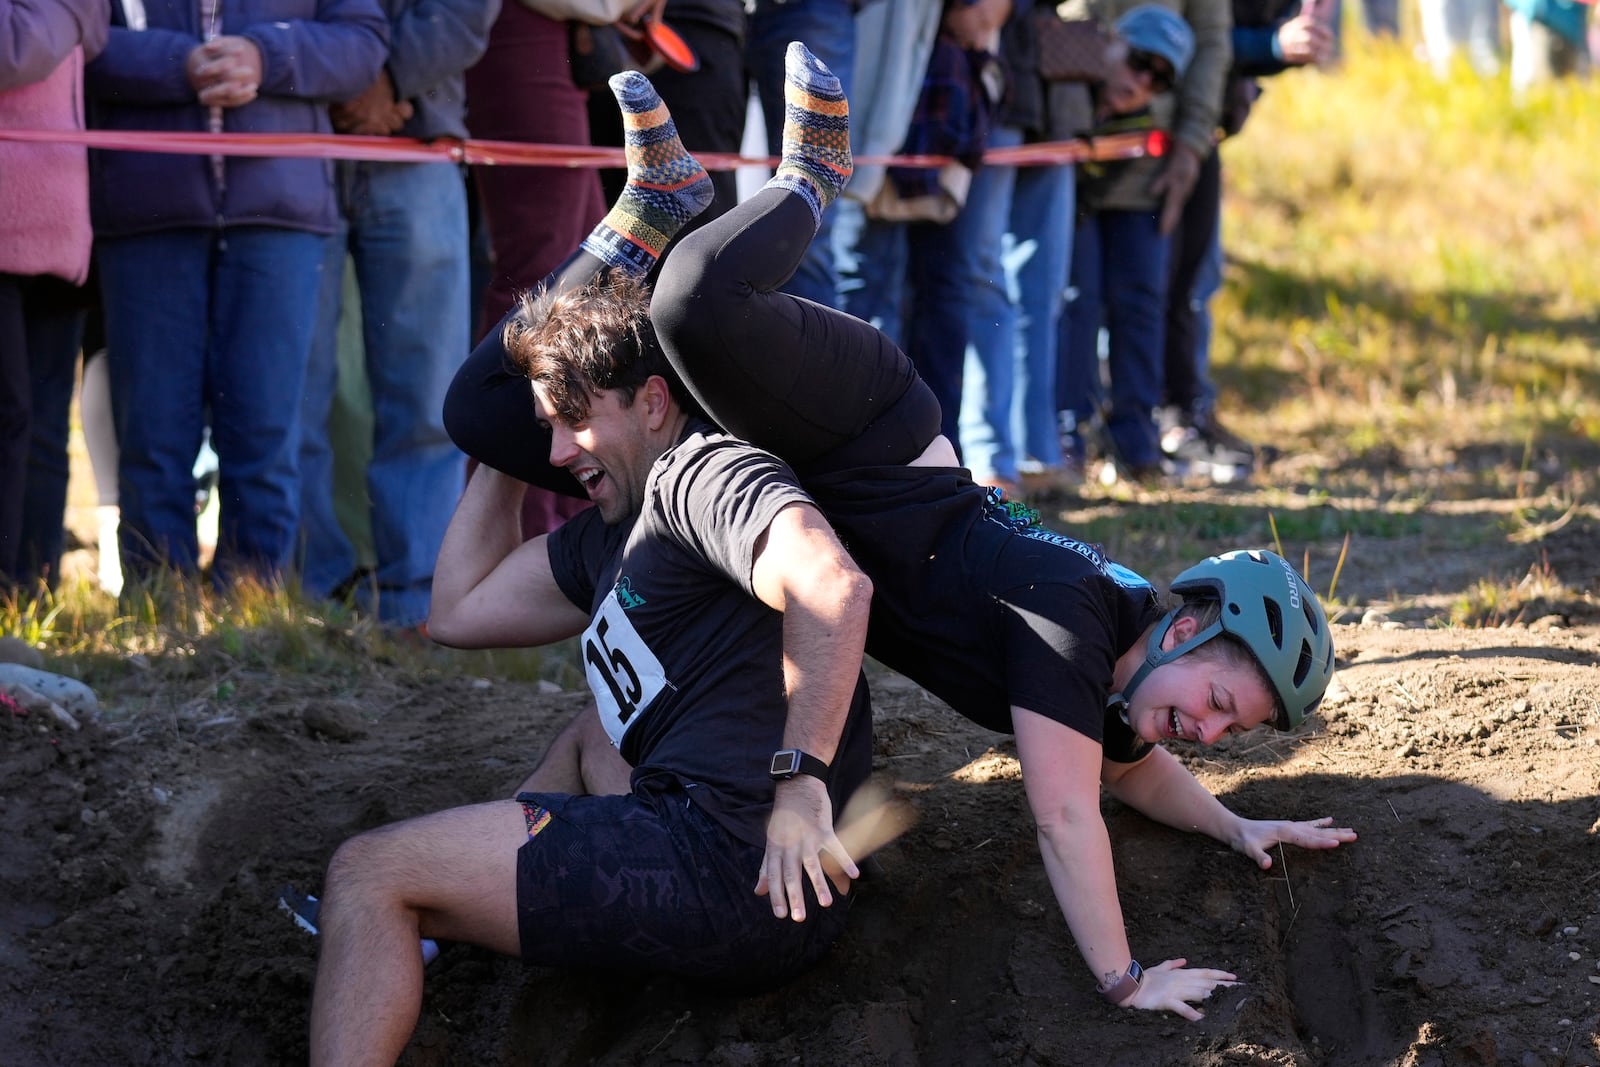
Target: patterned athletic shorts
[650,882]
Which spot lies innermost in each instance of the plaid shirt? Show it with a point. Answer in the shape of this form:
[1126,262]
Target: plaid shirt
[961,94]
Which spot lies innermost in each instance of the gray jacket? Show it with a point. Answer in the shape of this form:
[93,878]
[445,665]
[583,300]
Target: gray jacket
[431,44]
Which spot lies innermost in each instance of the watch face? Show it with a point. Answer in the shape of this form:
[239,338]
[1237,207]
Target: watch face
[785,763]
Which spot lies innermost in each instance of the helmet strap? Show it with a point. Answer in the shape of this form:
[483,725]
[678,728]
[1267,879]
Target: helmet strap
[1155,656]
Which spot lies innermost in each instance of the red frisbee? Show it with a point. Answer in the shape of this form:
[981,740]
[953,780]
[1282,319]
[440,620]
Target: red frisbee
[672,48]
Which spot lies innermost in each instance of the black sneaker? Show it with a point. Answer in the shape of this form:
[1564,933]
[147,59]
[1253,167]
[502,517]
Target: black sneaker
[1149,475]
[1225,444]
[1203,446]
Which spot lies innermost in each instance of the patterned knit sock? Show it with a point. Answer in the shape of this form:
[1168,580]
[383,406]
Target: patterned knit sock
[816,131]
[666,185]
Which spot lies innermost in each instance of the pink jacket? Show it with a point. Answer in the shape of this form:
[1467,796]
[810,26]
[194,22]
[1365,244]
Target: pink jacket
[44,188]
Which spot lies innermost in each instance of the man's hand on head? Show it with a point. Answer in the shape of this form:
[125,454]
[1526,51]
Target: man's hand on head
[799,833]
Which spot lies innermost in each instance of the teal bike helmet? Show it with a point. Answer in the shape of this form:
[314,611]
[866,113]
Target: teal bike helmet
[1271,610]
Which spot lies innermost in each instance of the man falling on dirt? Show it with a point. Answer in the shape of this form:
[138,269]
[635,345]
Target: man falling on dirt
[1017,627]
[722,628]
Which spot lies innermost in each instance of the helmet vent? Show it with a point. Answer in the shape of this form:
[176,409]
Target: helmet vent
[1302,667]
[1311,613]
[1274,619]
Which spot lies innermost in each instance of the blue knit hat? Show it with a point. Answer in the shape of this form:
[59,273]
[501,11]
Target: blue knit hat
[1159,31]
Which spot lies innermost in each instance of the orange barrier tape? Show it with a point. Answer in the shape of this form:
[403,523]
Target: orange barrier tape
[516,153]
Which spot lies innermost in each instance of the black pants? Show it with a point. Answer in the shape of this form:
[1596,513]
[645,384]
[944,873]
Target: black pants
[1191,241]
[815,386]
[821,389]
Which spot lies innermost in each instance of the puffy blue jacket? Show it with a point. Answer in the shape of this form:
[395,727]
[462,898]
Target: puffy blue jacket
[312,52]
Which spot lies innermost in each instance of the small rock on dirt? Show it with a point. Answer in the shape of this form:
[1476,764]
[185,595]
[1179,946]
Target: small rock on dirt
[336,722]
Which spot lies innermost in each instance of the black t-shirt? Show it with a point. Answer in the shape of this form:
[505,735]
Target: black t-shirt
[727,15]
[984,611]
[685,663]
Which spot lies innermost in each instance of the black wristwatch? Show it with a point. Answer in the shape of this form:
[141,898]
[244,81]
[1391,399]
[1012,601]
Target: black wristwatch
[788,762]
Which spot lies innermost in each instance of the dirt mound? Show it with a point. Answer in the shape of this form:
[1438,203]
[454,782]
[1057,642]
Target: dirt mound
[143,855]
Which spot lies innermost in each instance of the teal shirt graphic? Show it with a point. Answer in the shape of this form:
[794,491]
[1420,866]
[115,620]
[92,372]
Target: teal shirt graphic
[626,596]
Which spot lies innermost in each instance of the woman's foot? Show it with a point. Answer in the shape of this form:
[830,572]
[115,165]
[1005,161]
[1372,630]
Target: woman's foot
[666,185]
[816,131]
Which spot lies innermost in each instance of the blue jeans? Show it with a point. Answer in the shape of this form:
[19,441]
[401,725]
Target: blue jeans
[1041,211]
[209,327]
[1119,281]
[828,28]
[406,229]
[871,259]
[909,279]
[1017,227]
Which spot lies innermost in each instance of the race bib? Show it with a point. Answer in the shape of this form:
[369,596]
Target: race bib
[623,673]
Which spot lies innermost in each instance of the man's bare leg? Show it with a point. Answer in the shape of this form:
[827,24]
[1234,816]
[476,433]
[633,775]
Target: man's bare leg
[581,760]
[451,876]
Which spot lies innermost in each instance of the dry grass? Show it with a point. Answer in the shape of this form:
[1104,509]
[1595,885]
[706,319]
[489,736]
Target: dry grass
[1411,265]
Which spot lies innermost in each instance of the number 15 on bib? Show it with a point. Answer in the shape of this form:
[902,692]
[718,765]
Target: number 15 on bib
[623,673]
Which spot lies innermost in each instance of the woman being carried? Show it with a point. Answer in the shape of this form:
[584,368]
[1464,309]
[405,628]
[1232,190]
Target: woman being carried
[1020,629]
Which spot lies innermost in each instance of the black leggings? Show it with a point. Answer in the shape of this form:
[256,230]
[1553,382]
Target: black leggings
[488,410]
[821,389]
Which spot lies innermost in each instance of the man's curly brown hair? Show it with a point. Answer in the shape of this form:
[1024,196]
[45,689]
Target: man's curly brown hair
[592,338]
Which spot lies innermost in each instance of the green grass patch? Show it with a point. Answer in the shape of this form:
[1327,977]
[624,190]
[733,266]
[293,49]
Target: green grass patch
[1409,255]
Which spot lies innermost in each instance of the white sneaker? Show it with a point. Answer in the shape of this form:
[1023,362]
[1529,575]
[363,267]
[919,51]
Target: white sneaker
[304,908]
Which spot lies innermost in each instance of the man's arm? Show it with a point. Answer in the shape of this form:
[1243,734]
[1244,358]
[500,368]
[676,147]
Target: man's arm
[803,571]
[430,44]
[1162,788]
[332,56]
[490,587]
[1200,93]
[435,40]
[1061,774]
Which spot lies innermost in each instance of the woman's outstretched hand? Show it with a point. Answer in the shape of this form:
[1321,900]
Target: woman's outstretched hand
[1174,986]
[1255,836]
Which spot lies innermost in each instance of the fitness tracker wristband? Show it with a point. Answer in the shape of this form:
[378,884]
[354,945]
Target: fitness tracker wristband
[788,762]
[1126,986]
